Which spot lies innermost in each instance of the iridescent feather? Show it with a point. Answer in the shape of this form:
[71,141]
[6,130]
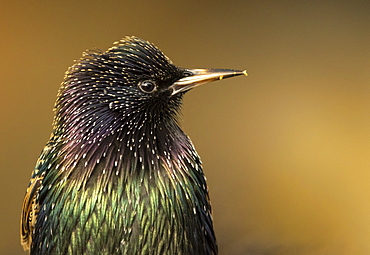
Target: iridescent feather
[118,175]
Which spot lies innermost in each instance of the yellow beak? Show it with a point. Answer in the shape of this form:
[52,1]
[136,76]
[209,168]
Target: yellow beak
[202,76]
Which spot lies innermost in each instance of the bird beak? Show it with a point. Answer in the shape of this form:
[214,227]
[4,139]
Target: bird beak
[202,76]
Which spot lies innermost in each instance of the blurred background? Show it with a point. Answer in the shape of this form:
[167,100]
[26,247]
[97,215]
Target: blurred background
[286,150]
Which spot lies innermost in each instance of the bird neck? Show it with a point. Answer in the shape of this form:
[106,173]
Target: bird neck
[148,169]
[157,184]
[125,145]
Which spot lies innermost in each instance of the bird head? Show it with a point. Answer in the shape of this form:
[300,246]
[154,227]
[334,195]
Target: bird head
[133,82]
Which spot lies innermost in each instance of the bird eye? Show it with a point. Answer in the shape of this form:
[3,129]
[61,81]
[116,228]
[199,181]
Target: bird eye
[147,86]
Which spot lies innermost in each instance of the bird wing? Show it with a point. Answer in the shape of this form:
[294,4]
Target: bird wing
[30,210]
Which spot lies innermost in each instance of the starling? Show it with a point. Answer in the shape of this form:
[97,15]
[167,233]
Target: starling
[118,175]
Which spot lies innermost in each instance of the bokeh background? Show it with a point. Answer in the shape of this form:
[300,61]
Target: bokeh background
[286,150]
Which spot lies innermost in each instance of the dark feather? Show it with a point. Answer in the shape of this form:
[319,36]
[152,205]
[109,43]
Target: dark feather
[118,175]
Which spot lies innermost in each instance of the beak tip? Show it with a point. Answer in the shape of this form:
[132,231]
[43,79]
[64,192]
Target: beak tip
[245,73]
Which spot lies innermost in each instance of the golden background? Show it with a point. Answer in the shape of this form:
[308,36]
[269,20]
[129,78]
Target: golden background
[286,150]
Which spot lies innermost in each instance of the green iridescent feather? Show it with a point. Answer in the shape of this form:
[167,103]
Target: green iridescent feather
[118,175]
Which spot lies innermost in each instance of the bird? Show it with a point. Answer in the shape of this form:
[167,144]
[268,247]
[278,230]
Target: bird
[118,175]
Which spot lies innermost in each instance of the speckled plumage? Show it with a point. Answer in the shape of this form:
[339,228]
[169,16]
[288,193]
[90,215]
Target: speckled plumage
[118,175]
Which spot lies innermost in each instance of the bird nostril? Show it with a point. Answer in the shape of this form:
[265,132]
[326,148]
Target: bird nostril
[187,73]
